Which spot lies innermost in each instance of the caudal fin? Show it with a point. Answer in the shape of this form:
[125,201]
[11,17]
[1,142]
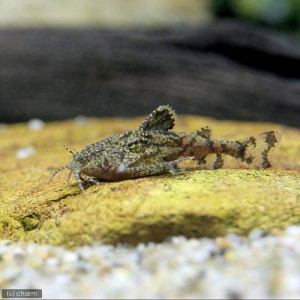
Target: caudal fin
[256,150]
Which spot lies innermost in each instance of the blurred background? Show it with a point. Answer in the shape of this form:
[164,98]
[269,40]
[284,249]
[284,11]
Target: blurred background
[228,59]
[284,15]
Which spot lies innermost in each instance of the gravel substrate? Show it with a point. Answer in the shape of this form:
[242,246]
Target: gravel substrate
[259,266]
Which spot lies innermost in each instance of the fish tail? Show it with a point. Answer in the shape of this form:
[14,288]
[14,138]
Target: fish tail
[255,150]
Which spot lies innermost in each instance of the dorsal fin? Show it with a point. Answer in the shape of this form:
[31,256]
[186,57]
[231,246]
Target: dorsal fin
[162,118]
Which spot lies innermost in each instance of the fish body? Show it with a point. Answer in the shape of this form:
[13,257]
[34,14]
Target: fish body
[153,149]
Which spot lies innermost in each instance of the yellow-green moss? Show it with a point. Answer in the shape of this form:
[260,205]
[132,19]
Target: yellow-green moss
[195,204]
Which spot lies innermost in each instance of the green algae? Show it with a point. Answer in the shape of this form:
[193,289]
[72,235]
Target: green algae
[201,203]
[30,222]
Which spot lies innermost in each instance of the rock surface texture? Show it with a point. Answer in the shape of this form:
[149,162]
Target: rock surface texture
[201,203]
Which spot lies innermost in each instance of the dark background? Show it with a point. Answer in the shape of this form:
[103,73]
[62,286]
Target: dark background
[237,66]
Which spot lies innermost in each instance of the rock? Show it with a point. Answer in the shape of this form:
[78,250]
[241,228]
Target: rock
[201,203]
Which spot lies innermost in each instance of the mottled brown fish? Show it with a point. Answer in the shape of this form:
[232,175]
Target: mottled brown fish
[153,149]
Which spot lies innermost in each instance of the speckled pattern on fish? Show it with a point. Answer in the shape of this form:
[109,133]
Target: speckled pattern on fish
[153,149]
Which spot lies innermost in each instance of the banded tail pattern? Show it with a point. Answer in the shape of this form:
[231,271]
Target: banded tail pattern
[255,150]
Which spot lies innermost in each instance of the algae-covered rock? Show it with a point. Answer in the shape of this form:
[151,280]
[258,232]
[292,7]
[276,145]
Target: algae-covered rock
[195,204]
